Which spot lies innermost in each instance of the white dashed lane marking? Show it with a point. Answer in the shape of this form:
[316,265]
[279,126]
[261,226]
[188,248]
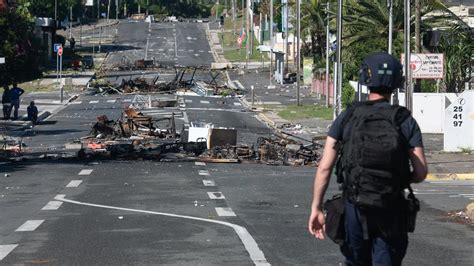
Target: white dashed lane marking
[200,163]
[209,183]
[225,211]
[215,195]
[237,104]
[206,102]
[203,172]
[5,249]
[74,183]
[30,225]
[188,101]
[111,101]
[127,100]
[78,102]
[85,172]
[94,101]
[52,205]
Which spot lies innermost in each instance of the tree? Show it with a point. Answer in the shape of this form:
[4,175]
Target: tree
[366,27]
[17,43]
[458,47]
[313,23]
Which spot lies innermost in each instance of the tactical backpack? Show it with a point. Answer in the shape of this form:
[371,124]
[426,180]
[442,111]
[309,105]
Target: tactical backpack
[373,164]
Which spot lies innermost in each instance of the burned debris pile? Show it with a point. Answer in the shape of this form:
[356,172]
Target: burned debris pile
[203,81]
[272,151]
[140,136]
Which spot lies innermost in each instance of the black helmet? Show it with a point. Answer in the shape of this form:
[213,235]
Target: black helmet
[381,71]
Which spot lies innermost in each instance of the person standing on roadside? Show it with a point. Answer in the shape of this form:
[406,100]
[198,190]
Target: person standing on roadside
[7,103]
[378,152]
[15,94]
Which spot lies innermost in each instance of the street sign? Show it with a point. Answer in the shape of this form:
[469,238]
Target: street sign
[60,51]
[459,123]
[56,47]
[426,66]
[2,60]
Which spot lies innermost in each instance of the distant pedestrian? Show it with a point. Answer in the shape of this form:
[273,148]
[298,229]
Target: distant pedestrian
[7,103]
[32,111]
[15,94]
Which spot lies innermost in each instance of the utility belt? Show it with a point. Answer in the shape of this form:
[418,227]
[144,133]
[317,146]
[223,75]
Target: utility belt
[404,218]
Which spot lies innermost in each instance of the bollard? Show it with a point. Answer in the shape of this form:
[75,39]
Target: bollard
[253,95]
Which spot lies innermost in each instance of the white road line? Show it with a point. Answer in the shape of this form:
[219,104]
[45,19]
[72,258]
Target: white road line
[196,54]
[237,104]
[467,195]
[111,101]
[188,101]
[5,250]
[209,183]
[191,51]
[200,163]
[94,101]
[225,212]
[85,172]
[271,103]
[161,50]
[74,183]
[216,195]
[52,205]
[127,100]
[30,225]
[201,51]
[78,102]
[256,254]
[206,102]
[203,172]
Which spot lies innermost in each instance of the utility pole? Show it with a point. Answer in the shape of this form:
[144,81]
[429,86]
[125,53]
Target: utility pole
[247,46]
[390,25]
[233,14]
[408,87]
[271,43]
[98,9]
[108,12]
[298,29]
[70,22]
[287,36]
[417,38]
[338,81]
[326,92]
[56,12]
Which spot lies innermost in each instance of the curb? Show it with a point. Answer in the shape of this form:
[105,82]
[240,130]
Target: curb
[450,176]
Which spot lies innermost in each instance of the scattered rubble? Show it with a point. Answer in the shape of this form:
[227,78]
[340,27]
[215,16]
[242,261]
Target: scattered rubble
[184,79]
[11,147]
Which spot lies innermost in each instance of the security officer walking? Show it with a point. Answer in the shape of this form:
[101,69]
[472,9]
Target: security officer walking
[373,177]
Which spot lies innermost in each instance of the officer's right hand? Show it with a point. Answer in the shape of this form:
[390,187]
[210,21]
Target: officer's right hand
[316,224]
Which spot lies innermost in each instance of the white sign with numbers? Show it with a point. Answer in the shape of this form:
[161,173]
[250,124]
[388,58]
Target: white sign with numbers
[459,123]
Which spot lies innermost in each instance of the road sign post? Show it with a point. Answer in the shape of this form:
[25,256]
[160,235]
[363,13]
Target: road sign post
[59,68]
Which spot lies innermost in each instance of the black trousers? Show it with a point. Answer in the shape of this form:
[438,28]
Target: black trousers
[377,249]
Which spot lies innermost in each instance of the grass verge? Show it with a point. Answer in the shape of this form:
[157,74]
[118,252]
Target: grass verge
[294,112]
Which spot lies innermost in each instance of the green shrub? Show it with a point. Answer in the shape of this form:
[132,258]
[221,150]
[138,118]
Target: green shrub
[348,94]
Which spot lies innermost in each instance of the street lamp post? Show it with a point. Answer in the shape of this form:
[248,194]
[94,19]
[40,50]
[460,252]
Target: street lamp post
[298,29]
[408,87]
[327,55]
[338,80]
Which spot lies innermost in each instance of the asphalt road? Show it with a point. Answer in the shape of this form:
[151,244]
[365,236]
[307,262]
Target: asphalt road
[169,44]
[113,212]
[132,212]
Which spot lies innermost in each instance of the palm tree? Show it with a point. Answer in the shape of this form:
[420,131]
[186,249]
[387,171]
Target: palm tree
[313,16]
